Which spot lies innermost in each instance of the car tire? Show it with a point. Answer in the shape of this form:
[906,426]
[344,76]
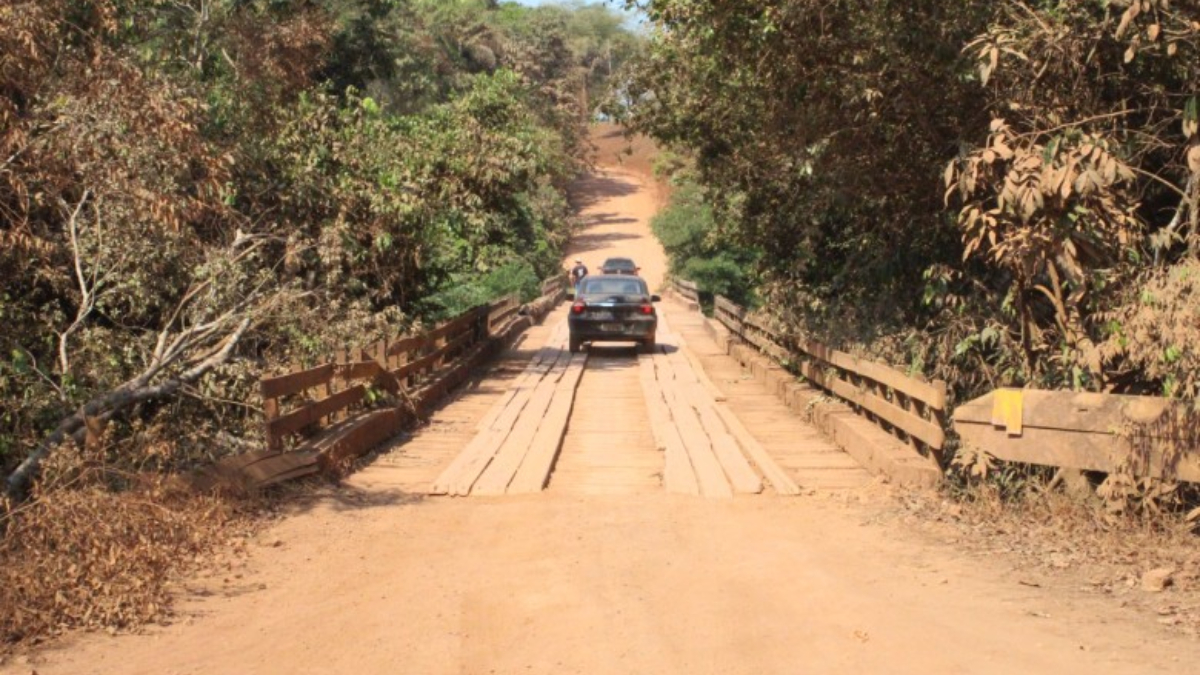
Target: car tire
[574,344]
[648,345]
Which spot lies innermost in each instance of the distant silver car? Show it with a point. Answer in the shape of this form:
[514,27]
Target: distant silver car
[613,308]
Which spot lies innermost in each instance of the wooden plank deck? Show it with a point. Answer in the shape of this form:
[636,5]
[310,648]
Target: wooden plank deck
[810,460]
[612,421]
[609,447]
[411,462]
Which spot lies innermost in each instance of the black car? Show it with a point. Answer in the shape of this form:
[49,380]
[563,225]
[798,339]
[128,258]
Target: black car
[613,309]
[619,266]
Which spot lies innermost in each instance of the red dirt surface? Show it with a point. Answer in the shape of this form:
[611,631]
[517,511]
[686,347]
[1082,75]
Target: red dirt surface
[365,578]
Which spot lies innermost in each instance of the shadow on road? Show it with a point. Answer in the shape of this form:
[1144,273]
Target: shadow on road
[595,188]
[616,354]
[584,243]
[606,219]
[341,497]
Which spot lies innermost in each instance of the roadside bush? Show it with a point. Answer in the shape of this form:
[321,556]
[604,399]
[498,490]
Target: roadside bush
[721,275]
[689,234]
[998,233]
[190,198]
[516,278]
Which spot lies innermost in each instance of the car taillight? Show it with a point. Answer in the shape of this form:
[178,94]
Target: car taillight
[647,309]
[577,308]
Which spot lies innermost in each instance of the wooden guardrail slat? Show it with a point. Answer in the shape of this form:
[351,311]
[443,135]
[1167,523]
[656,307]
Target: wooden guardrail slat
[552,285]
[294,383]
[456,324]
[310,414]
[687,289]
[431,359]
[358,370]
[407,344]
[923,430]
[373,365]
[832,370]
[931,394]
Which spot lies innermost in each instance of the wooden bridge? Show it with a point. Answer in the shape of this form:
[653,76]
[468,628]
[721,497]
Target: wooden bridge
[493,402]
[690,419]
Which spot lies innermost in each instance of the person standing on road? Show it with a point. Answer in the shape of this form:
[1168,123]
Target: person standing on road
[577,273]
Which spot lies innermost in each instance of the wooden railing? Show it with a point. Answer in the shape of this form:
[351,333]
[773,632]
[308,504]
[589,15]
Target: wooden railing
[305,403]
[686,289]
[362,396]
[556,284]
[1111,433]
[910,408]
[502,311]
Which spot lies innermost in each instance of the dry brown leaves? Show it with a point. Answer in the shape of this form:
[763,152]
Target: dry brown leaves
[1155,330]
[97,549]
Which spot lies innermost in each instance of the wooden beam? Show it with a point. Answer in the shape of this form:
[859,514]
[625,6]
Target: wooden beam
[927,432]
[698,369]
[1073,411]
[494,437]
[463,322]
[678,475]
[312,413]
[466,468]
[294,383]
[534,472]
[741,476]
[1081,450]
[773,473]
[278,468]
[931,394]
[547,352]
[359,370]
[709,474]
[508,458]
[407,345]
[356,436]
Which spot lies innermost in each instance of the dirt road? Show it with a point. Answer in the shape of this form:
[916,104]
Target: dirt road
[371,577]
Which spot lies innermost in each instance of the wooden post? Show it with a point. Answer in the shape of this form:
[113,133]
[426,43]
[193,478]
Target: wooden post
[271,411]
[435,347]
[327,391]
[341,357]
[880,391]
[939,416]
[913,406]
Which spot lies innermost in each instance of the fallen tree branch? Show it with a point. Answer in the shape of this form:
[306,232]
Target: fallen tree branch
[87,296]
[105,406]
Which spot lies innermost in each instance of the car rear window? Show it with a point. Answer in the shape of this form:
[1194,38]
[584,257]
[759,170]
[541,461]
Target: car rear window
[614,287]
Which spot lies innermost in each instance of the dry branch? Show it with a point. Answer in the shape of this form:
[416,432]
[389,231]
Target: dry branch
[137,390]
[87,294]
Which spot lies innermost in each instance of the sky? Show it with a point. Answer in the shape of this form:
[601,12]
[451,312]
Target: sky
[614,4]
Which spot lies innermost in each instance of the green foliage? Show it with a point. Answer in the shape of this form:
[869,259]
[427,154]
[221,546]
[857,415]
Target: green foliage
[721,275]
[688,232]
[331,170]
[460,294]
[1069,130]
[684,227]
